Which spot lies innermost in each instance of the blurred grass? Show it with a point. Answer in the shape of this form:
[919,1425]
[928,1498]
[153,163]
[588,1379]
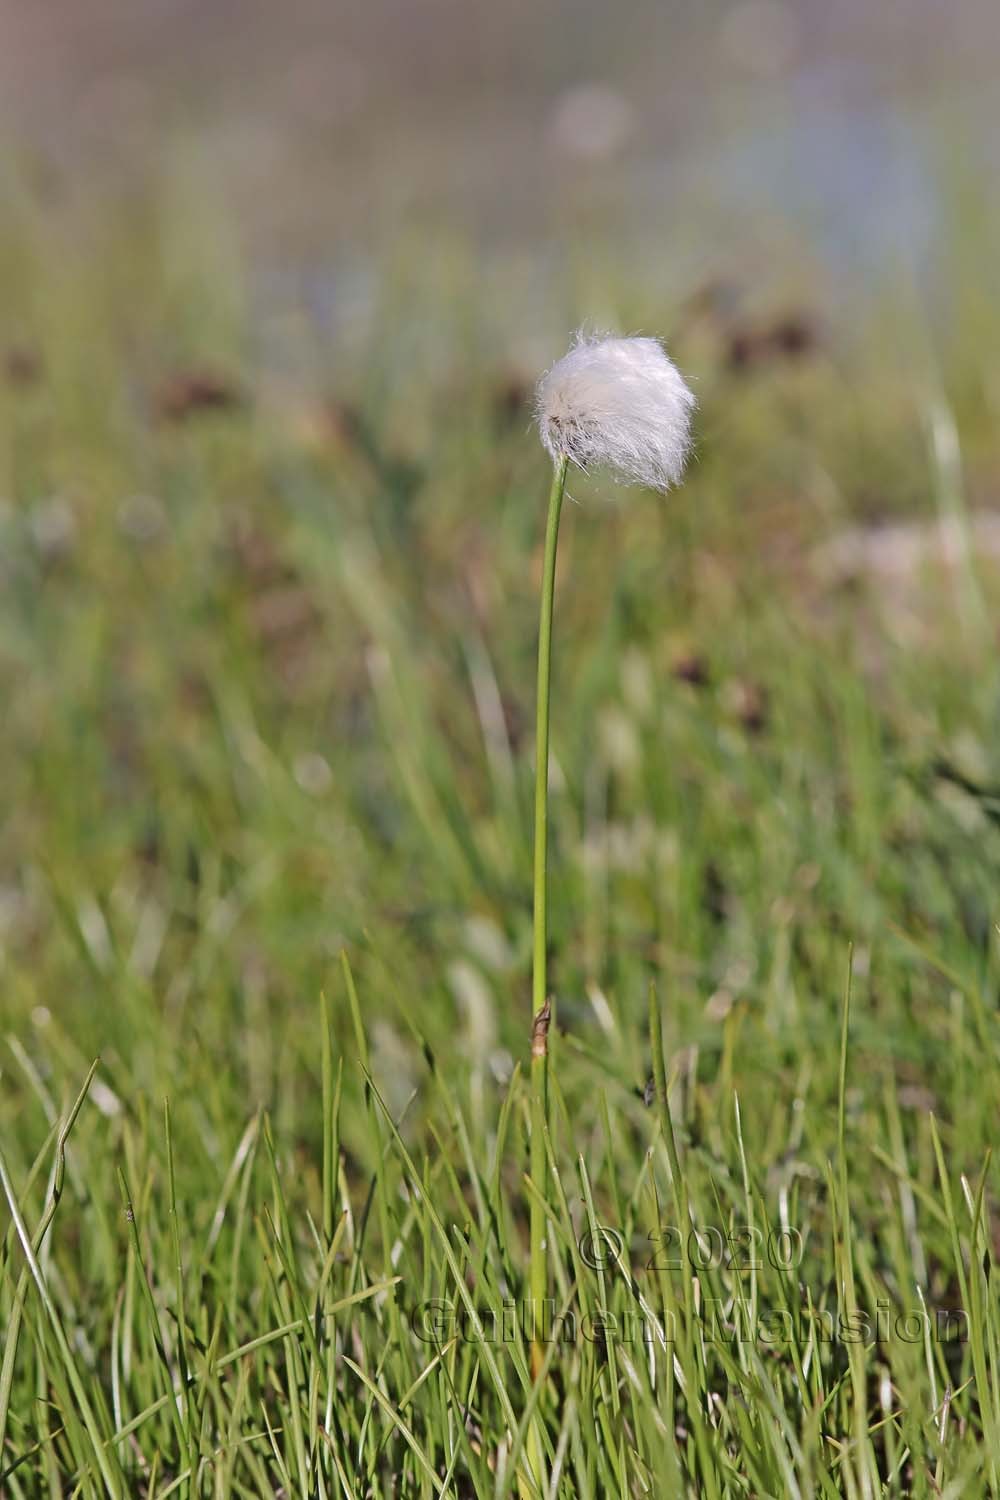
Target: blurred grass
[267,635]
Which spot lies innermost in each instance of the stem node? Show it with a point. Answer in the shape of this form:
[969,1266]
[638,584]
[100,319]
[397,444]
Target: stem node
[540,1031]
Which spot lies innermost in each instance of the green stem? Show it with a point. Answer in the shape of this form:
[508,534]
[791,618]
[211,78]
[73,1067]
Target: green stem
[540,1008]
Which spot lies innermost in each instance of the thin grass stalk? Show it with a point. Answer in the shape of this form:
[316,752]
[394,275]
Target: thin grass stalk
[541,1008]
[111,1475]
[681,1202]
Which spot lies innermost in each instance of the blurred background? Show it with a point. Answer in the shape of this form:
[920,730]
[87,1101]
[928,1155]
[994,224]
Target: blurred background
[275,287]
[764,138]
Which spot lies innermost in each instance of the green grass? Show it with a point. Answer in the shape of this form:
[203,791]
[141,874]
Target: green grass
[266,853]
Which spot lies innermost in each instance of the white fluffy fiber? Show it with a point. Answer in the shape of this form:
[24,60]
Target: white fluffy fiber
[620,404]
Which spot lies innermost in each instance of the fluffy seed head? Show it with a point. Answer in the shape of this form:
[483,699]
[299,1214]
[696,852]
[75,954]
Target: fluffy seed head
[619,404]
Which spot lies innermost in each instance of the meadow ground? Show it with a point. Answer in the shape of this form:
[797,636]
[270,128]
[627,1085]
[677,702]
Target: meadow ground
[267,645]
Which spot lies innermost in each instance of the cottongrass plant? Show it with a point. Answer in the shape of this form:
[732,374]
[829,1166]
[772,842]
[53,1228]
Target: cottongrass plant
[618,405]
[286,1222]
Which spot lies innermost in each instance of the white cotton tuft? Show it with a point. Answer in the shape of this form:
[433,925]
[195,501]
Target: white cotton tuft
[618,404]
